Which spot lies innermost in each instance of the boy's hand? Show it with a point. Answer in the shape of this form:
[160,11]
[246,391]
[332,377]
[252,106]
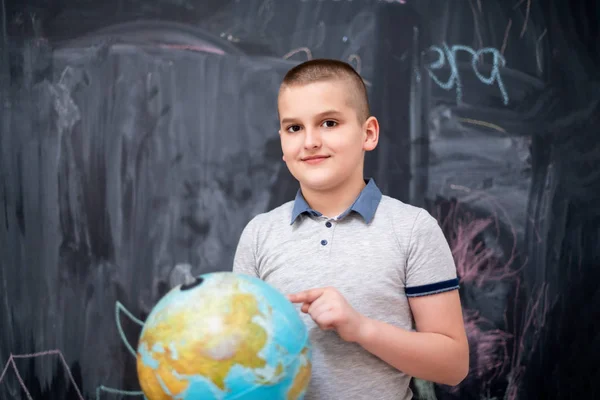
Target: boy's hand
[330,310]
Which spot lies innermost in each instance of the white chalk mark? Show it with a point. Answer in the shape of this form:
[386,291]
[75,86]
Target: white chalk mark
[538,51]
[482,123]
[542,35]
[298,50]
[201,49]
[13,357]
[106,389]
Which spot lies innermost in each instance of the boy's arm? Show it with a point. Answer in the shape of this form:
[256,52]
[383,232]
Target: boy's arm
[438,351]
[244,260]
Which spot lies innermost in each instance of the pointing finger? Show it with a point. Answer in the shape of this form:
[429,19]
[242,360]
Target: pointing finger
[306,296]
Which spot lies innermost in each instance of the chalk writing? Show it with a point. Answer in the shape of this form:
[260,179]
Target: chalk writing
[447,58]
[11,363]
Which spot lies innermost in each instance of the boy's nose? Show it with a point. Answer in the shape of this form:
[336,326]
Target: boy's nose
[312,139]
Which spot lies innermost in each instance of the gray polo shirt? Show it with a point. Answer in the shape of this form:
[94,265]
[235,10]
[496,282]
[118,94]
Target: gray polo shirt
[377,254]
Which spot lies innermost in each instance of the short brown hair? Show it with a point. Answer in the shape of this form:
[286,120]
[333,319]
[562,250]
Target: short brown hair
[323,69]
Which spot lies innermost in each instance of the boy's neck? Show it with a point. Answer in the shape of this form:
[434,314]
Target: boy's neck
[334,201]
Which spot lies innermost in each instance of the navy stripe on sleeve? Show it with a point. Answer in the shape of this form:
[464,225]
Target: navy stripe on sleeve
[432,288]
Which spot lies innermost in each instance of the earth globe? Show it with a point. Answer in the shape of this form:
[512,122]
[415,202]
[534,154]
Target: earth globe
[224,336]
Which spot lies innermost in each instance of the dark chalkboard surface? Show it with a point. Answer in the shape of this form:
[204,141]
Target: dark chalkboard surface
[137,138]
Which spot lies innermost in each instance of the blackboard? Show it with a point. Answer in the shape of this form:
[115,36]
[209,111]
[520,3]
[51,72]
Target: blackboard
[137,138]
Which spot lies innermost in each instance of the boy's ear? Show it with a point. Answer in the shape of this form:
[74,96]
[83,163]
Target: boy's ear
[372,133]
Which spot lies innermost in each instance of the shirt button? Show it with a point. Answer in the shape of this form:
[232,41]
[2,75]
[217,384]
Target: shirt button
[323,242]
[328,224]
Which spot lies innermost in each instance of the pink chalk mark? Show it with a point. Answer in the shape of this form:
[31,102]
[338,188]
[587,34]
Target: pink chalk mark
[13,357]
[495,205]
[476,264]
[486,343]
[536,310]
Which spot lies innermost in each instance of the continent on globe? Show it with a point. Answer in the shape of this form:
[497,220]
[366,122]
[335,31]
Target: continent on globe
[224,336]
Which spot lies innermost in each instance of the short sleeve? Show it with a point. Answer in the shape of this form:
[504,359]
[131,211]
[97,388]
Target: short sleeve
[244,261]
[430,266]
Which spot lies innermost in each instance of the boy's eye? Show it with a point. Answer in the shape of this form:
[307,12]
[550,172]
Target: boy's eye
[293,128]
[329,124]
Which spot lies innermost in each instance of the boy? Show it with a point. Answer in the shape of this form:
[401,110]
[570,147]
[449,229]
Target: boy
[374,278]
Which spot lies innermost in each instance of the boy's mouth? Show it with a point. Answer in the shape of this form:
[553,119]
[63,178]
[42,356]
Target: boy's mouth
[314,159]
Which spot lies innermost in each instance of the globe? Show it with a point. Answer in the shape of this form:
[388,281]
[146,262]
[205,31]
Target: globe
[224,336]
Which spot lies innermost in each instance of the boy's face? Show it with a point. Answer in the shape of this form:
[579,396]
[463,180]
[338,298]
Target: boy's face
[322,139]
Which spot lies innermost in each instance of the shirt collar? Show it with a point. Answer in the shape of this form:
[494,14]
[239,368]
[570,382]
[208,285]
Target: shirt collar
[365,204]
